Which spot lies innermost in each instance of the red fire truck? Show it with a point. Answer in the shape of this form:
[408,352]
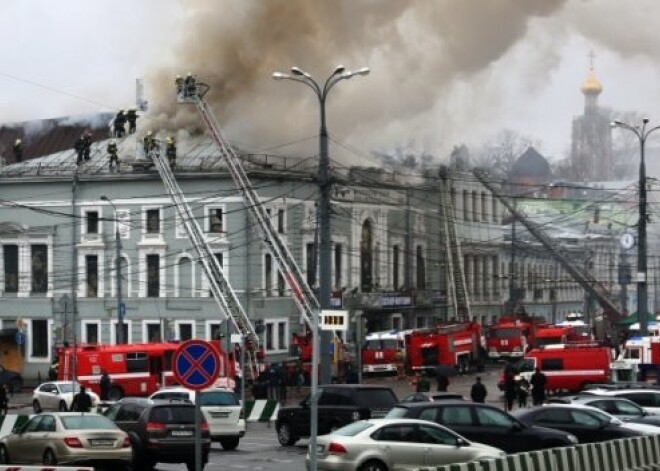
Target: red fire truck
[452,345]
[301,355]
[134,369]
[511,337]
[382,351]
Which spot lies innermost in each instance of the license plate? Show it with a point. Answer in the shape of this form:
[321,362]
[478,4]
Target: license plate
[102,442]
[219,415]
[181,433]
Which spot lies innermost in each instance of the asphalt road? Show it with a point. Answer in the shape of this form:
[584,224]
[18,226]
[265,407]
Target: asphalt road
[260,450]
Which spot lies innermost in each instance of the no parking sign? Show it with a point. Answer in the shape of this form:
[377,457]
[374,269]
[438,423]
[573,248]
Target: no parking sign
[196,364]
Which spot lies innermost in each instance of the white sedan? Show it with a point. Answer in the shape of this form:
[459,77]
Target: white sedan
[388,444]
[58,395]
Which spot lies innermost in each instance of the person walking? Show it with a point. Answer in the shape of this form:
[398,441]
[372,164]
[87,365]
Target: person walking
[538,382]
[509,391]
[18,150]
[443,382]
[114,158]
[104,384]
[82,402]
[522,392]
[478,391]
[273,381]
[119,124]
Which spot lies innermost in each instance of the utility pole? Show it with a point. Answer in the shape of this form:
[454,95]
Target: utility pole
[120,302]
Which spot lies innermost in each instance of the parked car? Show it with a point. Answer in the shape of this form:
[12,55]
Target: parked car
[648,398]
[67,438]
[58,395]
[383,444]
[620,407]
[431,396]
[485,424]
[160,431]
[12,379]
[588,424]
[338,405]
[221,408]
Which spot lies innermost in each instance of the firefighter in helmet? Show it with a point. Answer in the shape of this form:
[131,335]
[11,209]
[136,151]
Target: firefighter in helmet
[170,151]
[112,153]
[149,143]
[120,122]
[191,85]
[18,150]
[178,81]
[131,117]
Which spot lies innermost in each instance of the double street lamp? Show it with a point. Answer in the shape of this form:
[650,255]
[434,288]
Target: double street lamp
[642,134]
[325,233]
[120,302]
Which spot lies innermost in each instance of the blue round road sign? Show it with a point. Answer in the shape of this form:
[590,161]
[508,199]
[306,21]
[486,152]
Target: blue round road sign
[196,364]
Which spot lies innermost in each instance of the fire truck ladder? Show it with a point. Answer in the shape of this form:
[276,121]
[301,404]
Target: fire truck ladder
[457,282]
[193,91]
[220,288]
[583,278]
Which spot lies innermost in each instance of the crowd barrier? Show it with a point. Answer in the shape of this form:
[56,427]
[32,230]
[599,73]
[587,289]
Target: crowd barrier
[261,410]
[628,454]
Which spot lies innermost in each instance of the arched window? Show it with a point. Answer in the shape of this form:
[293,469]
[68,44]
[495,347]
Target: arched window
[366,257]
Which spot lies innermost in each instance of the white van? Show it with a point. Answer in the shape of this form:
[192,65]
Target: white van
[221,408]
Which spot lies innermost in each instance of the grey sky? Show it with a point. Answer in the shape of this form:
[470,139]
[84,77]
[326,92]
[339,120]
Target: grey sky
[444,72]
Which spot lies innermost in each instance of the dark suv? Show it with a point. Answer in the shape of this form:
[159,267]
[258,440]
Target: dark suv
[484,424]
[339,404]
[160,431]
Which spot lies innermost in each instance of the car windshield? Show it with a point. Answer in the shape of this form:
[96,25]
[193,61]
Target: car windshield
[505,333]
[397,413]
[353,429]
[375,398]
[218,398]
[86,422]
[69,387]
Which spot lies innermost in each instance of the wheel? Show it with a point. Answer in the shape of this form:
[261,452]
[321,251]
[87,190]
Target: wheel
[4,455]
[285,434]
[36,406]
[115,393]
[62,407]
[49,458]
[229,443]
[373,465]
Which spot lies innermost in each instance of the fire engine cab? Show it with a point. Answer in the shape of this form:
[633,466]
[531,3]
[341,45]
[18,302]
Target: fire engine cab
[451,345]
[382,351]
[134,369]
[511,337]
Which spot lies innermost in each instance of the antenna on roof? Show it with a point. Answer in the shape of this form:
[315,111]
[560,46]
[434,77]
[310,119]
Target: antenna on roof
[140,101]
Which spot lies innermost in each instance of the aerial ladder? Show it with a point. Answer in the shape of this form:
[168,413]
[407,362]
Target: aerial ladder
[190,90]
[220,288]
[592,286]
[457,282]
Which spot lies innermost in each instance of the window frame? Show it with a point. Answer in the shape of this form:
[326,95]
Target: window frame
[275,323]
[31,341]
[94,322]
[113,331]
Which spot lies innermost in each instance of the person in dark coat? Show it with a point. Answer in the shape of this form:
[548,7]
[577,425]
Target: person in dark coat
[18,150]
[443,382]
[82,402]
[87,145]
[538,382]
[523,392]
[273,379]
[79,147]
[119,123]
[104,384]
[423,383]
[131,117]
[509,391]
[478,391]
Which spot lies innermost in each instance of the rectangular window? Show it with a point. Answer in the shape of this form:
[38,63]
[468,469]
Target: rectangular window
[39,268]
[494,214]
[124,329]
[395,266]
[136,362]
[215,332]
[92,333]
[215,220]
[276,335]
[268,274]
[185,332]
[39,338]
[220,258]
[269,337]
[338,268]
[153,221]
[475,206]
[92,275]
[10,253]
[466,205]
[92,222]
[281,286]
[421,268]
[153,332]
[281,335]
[310,262]
[153,276]
[280,221]
[484,208]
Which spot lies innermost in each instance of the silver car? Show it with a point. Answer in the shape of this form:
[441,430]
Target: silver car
[58,395]
[67,438]
[395,444]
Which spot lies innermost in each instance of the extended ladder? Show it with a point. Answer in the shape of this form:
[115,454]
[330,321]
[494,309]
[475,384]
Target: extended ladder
[220,288]
[192,91]
[457,283]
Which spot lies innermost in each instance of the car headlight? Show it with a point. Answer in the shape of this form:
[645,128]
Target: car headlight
[573,439]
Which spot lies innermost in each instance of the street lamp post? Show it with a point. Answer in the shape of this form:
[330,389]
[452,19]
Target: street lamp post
[325,245]
[642,134]
[120,302]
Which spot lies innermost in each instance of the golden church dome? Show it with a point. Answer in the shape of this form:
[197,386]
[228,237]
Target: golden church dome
[591,85]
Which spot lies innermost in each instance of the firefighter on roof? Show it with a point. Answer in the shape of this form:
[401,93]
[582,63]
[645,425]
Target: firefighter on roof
[131,117]
[149,143]
[112,152]
[170,151]
[87,140]
[191,85]
[79,147]
[18,150]
[178,81]
[120,122]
